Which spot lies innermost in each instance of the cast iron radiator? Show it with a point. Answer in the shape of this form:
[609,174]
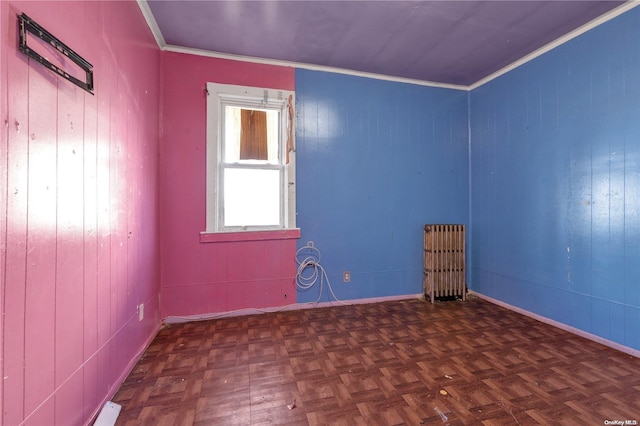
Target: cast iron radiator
[444,262]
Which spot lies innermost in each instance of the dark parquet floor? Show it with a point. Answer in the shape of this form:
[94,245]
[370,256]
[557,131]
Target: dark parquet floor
[402,362]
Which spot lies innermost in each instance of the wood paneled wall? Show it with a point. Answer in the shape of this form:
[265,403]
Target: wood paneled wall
[79,206]
[555,172]
[201,277]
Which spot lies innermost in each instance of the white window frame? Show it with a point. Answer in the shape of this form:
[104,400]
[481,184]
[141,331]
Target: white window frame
[250,97]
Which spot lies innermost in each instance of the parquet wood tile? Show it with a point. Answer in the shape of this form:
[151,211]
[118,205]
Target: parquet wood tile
[395,363]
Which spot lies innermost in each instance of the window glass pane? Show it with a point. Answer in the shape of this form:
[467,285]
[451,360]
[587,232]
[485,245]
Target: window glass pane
[251,197]
[244,137]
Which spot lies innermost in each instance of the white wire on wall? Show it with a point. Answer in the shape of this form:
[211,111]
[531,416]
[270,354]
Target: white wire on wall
[308,259]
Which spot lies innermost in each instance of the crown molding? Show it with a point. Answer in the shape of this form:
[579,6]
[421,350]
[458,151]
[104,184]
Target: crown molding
[152,23]
[312,67]
[155,29]
[559,41]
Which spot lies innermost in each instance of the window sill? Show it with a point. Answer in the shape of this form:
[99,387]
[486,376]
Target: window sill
[227,237]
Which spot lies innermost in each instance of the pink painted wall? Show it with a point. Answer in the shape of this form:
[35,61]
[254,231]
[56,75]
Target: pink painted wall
[78,212]
[208,277]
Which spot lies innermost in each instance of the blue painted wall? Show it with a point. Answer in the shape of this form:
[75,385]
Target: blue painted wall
[555,192]
[376,160]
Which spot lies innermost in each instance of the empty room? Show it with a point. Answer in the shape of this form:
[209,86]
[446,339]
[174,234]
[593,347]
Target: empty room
[319,212]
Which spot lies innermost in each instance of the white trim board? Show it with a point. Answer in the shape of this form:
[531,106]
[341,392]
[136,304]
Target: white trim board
[152,23]
[311,67]
[565,327]
[155,29]
[292,307]
[108,415]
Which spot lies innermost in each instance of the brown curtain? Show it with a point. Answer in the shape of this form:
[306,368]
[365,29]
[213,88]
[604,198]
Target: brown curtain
[253,135]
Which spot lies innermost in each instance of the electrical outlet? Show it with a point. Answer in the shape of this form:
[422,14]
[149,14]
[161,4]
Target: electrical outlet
[346,276]
[141,312]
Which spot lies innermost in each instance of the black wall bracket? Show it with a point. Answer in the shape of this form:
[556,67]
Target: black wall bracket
[27,25]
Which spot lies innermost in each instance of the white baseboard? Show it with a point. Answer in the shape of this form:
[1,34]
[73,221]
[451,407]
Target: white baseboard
[565,327]
[292,307]
[108,415]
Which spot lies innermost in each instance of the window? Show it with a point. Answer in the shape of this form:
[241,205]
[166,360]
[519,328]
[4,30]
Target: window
[250,159]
